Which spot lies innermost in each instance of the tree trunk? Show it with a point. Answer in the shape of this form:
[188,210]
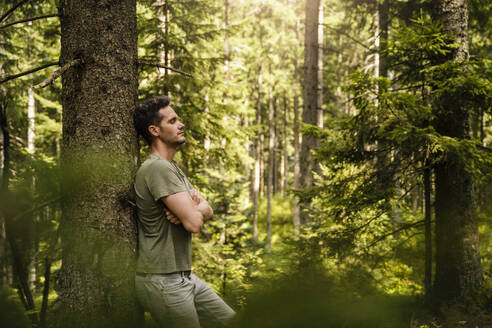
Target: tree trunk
[5,161]
[383,23]
[297,142]
[285,155]
[163,17]
[31,114]
[271,171]
[99,157]
[276,156]
[46,291]
[3,254]
[428,232]
[11,231]
[312,91]
[257,172]
[31,240]
[458,271]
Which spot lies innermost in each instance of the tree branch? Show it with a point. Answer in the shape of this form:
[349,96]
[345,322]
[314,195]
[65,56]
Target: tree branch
[347,35]
[11,77]
[486,149]
[28,20]
[58,73]
[145,62]
[20,3]
[36,208]
[406,226]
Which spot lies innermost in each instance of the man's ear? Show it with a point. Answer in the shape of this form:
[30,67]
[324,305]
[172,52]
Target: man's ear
[154,130]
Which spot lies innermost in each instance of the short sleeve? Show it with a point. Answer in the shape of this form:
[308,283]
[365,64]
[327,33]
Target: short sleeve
[163,180]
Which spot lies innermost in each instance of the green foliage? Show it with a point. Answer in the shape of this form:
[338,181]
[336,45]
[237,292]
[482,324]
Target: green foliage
[12,313]
[363,208]
[312,298]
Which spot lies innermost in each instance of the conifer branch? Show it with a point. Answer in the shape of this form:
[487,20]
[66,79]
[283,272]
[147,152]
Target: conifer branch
[58,73]
[28,20]
[405,227]
[20,3]
[12,77]
[38,207]
[149,63]
[347,35]
[486,149]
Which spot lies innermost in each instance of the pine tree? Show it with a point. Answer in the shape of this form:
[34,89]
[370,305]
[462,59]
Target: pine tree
[458,271]
[99,158]
[312,91]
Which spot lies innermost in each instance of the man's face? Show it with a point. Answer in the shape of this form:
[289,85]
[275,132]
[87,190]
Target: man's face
[170,130]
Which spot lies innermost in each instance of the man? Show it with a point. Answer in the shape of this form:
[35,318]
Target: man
[169,211]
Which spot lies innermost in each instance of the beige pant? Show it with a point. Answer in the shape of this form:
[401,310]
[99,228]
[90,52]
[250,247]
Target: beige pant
[176,300]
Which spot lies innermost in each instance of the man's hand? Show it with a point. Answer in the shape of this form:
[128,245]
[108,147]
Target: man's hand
[195,196]
[171,217]
[188,208]
[202,205]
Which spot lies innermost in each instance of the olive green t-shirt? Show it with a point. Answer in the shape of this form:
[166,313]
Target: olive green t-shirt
[163,247]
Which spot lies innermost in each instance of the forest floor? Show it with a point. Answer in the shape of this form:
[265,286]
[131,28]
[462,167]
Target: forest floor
[476,313]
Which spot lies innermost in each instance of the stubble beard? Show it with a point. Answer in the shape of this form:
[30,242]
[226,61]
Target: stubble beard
[177,143]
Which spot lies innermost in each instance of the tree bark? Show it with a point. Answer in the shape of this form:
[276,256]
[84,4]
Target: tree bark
[163,17]
[257,172]
[312,91]
[46,291]
[99,158]
[383,23]
[31,240]
[285,156]
[297,142]
[458,271]
[276,156]
[5,158]
[271,171]
[428,232]
[31,115]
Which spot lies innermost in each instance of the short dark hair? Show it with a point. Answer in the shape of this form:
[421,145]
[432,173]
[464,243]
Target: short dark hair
[147,114]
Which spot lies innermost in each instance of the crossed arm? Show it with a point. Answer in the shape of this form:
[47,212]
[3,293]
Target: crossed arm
[192,211]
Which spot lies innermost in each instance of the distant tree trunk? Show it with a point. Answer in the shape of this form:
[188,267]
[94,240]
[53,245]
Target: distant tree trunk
[31,248]
[206,142]
[31,115]
[458,271]
[276,173]
[7,214]
[271,172]
[5,161]
[338,91]
[285,155]
[256,172]
[262,162]
[297,142]
[312,90]
[226,48]
[3,254]
[383,158]
[100,157]
[46,290]
[261,131]
[383,23]
[163,17]
[428,230]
